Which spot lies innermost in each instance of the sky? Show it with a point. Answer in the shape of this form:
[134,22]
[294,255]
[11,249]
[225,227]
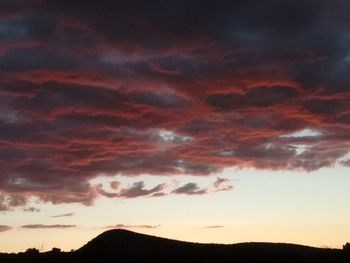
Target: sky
[206,121]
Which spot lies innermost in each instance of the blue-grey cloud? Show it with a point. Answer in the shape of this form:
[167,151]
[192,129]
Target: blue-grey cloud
[190,189]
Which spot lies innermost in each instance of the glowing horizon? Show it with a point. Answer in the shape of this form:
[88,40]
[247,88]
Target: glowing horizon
[256,214]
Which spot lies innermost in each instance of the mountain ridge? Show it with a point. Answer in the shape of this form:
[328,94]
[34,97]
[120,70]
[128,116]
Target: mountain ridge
[121,245]
[129,233]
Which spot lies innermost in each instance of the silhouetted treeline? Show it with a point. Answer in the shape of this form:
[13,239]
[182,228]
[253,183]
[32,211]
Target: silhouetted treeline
[127,246]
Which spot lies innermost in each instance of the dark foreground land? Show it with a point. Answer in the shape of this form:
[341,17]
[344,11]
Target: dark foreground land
[127,246]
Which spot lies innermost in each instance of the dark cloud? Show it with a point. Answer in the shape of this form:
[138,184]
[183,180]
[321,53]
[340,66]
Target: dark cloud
[190,189]
[255,97]
[32,209]
[27,26]
[162,100]
[40,226]
[168,21]
[64,215]
[27,59]
[10,6]
[346,162]
[8,202]
[137,189]
[223,184]
[4,228]
[172,87]
[326,106]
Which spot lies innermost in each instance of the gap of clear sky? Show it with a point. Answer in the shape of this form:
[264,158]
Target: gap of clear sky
[208,121]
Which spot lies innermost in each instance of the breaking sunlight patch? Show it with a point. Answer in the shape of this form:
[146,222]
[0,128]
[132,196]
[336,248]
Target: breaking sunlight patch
[172,137]
[303,133]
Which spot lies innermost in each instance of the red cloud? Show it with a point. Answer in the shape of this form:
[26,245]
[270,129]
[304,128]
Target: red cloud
[214,88]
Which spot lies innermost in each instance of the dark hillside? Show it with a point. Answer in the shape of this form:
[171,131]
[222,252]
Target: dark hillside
[123,245]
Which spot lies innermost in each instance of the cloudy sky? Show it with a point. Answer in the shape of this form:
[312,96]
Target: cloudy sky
[211,121]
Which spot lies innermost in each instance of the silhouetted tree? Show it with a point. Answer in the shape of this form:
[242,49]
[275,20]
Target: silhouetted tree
[32,251]
[346,247]
[55,250]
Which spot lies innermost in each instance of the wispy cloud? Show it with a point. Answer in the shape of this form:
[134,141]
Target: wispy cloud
[32,209]
[41,226]
[10,201]
[214,226]
[4,228]
[122,226]
[223,184]
[190,189]
[137,189]
[63,215]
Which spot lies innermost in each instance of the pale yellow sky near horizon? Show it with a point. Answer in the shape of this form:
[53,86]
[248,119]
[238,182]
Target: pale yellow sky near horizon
[264,206]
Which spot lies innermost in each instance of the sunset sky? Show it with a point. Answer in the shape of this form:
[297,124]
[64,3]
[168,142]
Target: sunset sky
[208,121]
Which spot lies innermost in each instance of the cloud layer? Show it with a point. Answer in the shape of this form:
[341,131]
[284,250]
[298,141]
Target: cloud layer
[64,215]
[176,87]
[41,226]
[4,228]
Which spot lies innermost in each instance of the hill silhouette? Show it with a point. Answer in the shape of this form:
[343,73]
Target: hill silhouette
[123,245]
